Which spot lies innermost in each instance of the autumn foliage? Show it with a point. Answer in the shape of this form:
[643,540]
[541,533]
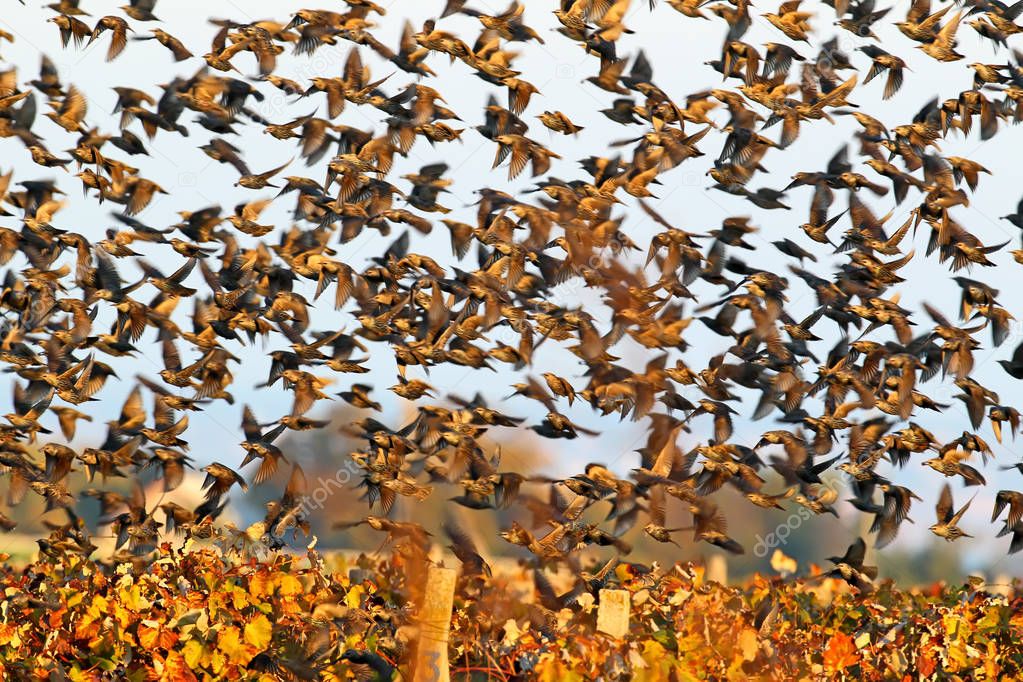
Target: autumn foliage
[211,614]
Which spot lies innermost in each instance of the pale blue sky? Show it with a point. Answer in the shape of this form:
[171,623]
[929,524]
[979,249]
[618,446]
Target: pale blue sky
[677,47]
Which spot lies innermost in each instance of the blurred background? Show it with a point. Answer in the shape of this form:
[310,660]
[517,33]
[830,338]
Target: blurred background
[559,69]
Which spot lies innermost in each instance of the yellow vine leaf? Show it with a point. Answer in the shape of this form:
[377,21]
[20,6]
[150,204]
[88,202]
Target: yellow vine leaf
[259,632]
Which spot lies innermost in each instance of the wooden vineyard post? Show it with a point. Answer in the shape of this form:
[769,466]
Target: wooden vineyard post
[434,624]
[717,569]
[613,613]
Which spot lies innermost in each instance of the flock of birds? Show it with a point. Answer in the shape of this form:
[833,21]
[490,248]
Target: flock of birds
[850,411]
